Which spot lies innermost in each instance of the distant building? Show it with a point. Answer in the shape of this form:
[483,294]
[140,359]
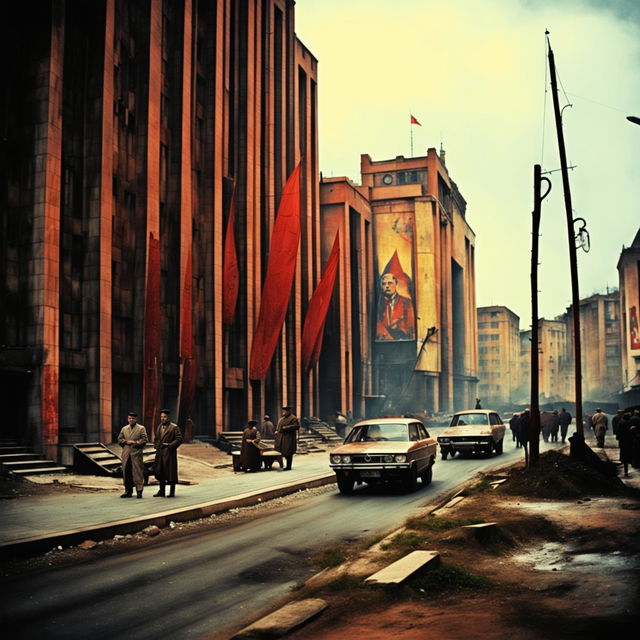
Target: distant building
[498,356]
[629,274]
[554,372]
[600,347]
[424,353]
[345,361]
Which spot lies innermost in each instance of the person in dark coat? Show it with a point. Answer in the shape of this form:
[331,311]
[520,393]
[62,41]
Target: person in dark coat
[167,440]
[615,420]
[514,425]
[132,438]
[266,428]
[565,421]
[286,436]
[634,423]
[478,405]
[249,453]
[625,436]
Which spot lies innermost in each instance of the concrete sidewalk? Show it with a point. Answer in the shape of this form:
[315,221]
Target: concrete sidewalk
[35,524]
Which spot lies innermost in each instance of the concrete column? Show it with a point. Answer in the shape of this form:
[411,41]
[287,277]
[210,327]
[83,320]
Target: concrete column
[45,292]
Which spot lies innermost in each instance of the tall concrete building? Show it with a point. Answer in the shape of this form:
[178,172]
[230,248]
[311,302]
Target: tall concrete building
[498,356]
[126,126]
[600,347]
[554,365]
[629,275]
[424,352]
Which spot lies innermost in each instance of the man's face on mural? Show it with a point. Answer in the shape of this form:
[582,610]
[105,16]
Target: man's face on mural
[388,282]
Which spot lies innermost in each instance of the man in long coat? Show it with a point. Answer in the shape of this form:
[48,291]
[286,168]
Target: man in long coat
[249,453]
[167,440]
[132,438]
[600,426]
[565,421]
[286,436]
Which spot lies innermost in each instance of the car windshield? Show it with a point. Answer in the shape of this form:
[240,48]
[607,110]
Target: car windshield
[379,433]
[469,418]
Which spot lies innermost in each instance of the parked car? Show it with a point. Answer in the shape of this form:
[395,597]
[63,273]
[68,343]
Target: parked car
[474,431]
[385,450]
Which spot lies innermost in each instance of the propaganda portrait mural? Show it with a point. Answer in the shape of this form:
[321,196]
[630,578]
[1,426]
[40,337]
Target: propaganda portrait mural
[634,330]
[395,315]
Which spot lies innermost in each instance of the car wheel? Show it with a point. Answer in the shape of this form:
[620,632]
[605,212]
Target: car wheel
[427,474]
[345,484]
[410,482]
[499,446]
[444,453]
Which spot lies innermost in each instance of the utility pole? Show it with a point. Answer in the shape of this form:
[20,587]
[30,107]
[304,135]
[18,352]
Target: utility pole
[534,404]
[577,441]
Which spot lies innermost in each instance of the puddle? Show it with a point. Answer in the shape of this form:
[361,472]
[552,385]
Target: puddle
[553,556]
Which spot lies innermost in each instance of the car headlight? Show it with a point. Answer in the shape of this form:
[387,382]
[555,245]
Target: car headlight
[400,457]
[346,459]
[443,439]
[387,458]
[336,459]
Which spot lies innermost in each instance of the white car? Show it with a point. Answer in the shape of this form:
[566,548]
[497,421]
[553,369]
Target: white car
[385,450]
[474,431]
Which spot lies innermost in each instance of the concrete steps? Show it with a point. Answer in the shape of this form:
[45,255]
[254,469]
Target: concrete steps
[21,461]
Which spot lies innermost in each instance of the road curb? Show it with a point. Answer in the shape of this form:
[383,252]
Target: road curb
[39,544]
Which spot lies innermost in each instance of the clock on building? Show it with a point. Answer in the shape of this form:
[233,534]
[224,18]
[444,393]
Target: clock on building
[387,178]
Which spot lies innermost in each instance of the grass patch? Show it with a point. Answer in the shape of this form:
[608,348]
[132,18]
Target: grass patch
[404,540]
[448,578]
[346,583]
[374,540]
[435,523]
[330,557]
[479,487]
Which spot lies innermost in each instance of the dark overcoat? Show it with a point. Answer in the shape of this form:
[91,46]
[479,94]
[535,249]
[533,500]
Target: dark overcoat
[625,437]
[166,463]
[286,441]
[132,453]
[249,453]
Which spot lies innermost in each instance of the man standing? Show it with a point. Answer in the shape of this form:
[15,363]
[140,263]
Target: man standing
[286,437]
[132,439]
[600,425]
[266,428]
[396,317]
[565,421]
[478,405]
[167,440]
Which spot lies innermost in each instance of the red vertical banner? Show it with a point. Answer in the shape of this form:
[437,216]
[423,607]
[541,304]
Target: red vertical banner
[187,364]
[281,269]
[152,326]
[318,307]
[230,271]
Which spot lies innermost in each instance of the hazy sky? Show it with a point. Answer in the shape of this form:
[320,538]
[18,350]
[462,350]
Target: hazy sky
[473,73]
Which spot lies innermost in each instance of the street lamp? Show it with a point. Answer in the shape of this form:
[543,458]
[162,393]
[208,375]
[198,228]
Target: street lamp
[633,119]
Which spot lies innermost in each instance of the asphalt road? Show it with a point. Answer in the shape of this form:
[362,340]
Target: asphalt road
[212,580]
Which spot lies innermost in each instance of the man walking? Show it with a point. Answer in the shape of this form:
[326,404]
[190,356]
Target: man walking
[286,436]
[132,438]
[167,440]
[565,421]
[600,425]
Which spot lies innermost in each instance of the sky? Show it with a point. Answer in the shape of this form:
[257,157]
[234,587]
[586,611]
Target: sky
[475,75]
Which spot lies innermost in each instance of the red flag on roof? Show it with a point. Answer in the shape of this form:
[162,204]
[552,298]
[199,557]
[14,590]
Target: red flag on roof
[230,272]
[415,121]
[281,268]
[317,310]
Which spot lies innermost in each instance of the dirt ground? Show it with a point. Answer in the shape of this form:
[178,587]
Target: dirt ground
[557,568]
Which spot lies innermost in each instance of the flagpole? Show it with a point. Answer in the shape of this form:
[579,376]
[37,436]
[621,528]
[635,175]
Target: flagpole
[411,130]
